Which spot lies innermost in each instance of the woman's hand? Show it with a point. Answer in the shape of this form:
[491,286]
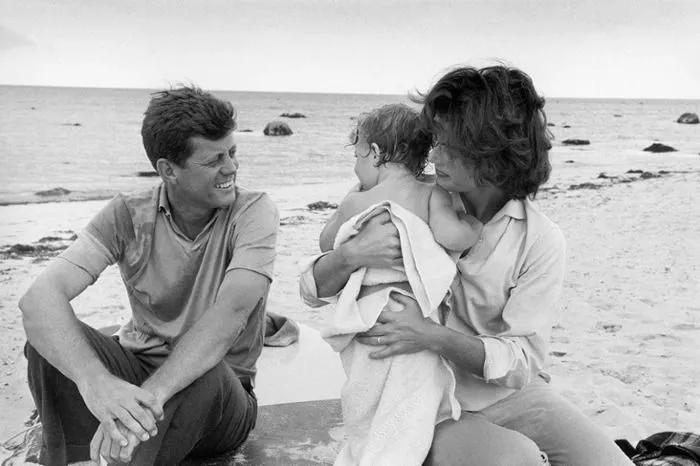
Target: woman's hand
[376,245]
[401,331]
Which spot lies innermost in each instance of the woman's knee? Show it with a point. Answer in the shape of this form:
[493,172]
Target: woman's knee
[480,444]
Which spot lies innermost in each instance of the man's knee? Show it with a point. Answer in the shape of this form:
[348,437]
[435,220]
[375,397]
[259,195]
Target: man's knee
[36,363]
[214,386]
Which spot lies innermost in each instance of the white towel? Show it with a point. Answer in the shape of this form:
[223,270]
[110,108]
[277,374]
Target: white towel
[391,406]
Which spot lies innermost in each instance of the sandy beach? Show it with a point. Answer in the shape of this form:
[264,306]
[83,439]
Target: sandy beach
[624,348]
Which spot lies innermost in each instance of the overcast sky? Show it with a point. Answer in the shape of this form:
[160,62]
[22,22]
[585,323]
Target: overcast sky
[579,48]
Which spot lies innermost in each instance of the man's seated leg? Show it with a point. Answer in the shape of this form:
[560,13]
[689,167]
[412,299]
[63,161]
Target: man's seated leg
[68,425]
[211,417]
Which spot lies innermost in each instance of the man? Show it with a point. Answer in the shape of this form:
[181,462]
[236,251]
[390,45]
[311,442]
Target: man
[196,255]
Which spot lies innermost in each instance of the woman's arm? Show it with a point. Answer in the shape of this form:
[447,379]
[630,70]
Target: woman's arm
[408,331]
[508,359]
[376,245]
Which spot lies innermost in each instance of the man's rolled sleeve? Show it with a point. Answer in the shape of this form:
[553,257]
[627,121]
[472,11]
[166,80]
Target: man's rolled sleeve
[254,243]
[307,283]
[517,355]
[89,254]
[100,244]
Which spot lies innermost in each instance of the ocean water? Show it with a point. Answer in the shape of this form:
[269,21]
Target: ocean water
[88,140]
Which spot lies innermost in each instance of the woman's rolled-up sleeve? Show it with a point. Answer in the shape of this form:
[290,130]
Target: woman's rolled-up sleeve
[307,283]
[520,353]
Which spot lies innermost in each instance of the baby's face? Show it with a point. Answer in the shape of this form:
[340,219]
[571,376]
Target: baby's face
[365,169]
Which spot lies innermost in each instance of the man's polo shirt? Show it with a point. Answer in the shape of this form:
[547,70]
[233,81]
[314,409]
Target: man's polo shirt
[171,281]
[505,293]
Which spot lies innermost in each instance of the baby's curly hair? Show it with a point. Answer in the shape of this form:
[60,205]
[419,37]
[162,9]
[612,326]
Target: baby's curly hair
[495,120]
[399,133]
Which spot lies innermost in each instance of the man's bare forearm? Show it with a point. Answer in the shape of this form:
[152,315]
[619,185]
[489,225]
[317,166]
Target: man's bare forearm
[331,272]
[199,350]
[54,331]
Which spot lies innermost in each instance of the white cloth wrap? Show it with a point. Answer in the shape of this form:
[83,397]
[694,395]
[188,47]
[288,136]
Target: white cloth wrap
[391,406]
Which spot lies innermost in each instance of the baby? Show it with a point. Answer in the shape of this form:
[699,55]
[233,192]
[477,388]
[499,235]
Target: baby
[390,406]
[391,151]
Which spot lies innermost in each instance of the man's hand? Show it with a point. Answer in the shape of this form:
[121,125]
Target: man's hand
[403,331]
[103,445]
[376,245]
[110,398]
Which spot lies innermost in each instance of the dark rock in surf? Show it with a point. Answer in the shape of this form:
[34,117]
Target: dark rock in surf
[658,148]
[688,119]
[53,192]
[277,128]
[576,142]
[147,174]
[293,115]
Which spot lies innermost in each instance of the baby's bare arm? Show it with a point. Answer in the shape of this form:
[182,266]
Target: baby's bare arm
[451,231]
[353,203]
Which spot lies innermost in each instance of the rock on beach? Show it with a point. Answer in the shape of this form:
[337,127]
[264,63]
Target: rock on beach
[688,119]
[576,142]
[658,147]
[277,128]
[293,115]
[53,192]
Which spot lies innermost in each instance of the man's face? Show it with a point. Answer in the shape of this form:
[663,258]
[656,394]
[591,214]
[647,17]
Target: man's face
[208,176]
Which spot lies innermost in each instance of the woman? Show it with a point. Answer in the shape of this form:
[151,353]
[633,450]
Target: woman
[490,152]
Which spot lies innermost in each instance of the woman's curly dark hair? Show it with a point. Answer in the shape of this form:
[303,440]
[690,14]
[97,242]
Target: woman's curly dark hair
[495,120]
[398,131]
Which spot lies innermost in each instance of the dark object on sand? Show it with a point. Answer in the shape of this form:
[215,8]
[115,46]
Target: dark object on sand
[569,161]
[586,185]
[658,147]
[277,128]
[72,124]
[647,175]
[53,192]
[688,119]
[551,124]
[664,448]
[605,176]
[617,115]
[576,142]
[146,174]
[321,205]
[566,126]
[245,130]
[293,115]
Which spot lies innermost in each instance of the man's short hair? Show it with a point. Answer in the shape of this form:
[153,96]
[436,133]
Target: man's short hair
[175,115]
[495,119]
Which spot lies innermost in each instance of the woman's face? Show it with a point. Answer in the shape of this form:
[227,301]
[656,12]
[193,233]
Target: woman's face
[450,170]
